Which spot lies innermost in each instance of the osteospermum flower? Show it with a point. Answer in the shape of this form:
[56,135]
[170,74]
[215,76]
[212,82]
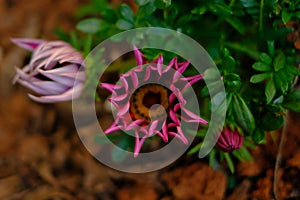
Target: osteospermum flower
[52,70]
[230,140]
[149,101]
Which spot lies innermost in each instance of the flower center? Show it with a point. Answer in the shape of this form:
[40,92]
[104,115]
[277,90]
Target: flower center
[146,102]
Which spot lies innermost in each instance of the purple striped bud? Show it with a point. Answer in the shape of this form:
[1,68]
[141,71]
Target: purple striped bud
[230,140]
[54,72]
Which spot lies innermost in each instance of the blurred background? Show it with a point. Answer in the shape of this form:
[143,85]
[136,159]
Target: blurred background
[41,156]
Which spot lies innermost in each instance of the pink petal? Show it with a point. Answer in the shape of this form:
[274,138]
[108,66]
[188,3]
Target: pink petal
[57,78]
[135,80]
[147,73]
[183,66]
[159,63]
[138,144]
[27,43]
[125,83]
[170,65]
[109,87]
[152,128]
[68,95]
[135,124]
[193,117]
[123,110]
[113,127]
[138,56]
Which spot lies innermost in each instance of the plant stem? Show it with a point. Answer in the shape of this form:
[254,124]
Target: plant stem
[261,15]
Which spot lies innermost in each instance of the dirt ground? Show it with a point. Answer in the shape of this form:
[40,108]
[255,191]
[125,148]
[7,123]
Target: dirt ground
[42,157]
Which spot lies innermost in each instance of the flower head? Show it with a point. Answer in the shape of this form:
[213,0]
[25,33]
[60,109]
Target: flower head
[53,73]
[230,140]
[149,101]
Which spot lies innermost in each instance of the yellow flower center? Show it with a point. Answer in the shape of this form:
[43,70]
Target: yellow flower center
[149,102]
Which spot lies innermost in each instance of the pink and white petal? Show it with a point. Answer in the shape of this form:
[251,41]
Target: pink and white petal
[182,66]
[191,80]
[135,80]
[138,143]
[68,95]
[110,87]
[124,82]
[152,128]
[138,56]
[20,74]
[135,124]
[27,43]
[172,98]
[159,63]
[67,81]
[51,86]
[179,135]
[182,136]
[34,87]
[147,74]
[191,117]
[170,65]
[173,116]
[113,127]
[124,109]
[117,97]
[165,132]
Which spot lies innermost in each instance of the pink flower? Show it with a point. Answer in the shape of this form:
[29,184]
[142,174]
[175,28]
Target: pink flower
[230,140]
[53,73]
[147,108]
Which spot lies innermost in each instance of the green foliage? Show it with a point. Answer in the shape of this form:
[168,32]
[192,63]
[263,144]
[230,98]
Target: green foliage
[278,72]
[237,35]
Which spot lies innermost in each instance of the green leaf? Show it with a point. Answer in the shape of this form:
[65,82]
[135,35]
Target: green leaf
[271,48]
[124,25]
[292,101]
[229,162]
[145,10]
[232,82]
[258,136]
[262,67]
[220,7]
[195,149]
[91,25]
[237,24]
[141,2]
[199,10]
[286,16]
[279,61]
[271,121]
[245,153]
[213,161]
[126,13]
[248,3]
[281,84]
[162,3]
[265,58]
[228,63]
[110,15]
[278,100]
[243,114]
[259,77]
[270,90]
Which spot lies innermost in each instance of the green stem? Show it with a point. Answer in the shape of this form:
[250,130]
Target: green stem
[88,44]
[261,15]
